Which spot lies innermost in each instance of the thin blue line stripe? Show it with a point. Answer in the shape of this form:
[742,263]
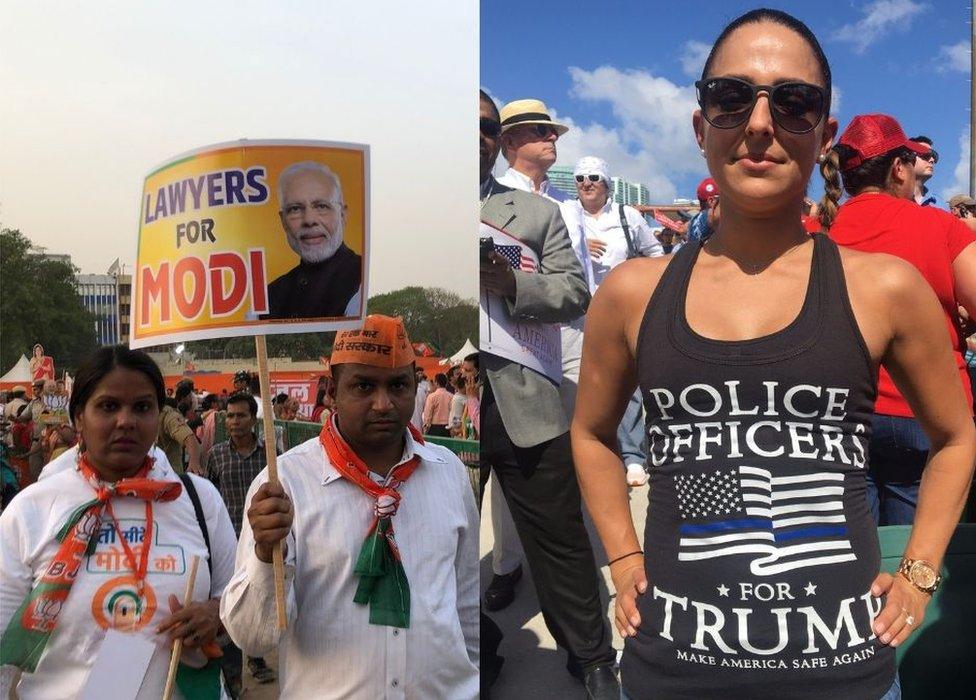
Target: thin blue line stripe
[726,525]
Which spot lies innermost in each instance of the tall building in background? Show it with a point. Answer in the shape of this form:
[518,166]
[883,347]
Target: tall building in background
[561,177]
[624,191]
[109,298]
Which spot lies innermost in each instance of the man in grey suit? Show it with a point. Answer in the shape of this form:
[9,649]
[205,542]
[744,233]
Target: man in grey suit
[525,431]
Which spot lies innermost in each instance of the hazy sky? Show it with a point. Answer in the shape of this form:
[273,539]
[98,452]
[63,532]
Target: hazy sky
[97,94]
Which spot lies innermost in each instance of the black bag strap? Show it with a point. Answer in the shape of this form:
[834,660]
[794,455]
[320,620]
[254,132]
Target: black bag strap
[631,248]
[191,491]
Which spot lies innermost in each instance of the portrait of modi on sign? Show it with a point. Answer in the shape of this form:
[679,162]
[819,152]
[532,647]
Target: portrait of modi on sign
[327,280]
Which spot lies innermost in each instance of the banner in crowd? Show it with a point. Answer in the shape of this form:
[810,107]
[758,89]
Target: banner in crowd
[41,366]
[305,390]
[253,238]
[530,343]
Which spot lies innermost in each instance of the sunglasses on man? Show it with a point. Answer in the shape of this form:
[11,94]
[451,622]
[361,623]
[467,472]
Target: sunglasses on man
[490,128]
[543,131]
[583,178]
[727,103]
[932,156]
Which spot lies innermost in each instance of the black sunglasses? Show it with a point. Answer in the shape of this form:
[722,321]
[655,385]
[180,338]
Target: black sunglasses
[727,103]
[591,178]
[932,156]
[490,128]
[543,131]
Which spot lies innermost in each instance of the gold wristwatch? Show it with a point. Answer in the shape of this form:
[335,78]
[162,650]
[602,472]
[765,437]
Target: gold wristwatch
[920,574]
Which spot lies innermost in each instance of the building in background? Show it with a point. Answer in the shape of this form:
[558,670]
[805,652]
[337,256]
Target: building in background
[42,253]
[109,298]
[561,177]
[624,191]
[630,193]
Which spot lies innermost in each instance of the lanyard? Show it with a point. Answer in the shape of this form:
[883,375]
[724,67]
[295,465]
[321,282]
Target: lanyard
[138,568]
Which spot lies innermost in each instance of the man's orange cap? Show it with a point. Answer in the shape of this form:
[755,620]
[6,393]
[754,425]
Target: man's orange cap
[381,342]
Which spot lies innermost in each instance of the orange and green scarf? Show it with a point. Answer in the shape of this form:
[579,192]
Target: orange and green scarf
[382,580]
[31,626]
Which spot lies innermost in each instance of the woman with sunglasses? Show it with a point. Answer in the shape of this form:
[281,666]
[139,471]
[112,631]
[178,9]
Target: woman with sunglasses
[876,163]
[756,354]
[95,559]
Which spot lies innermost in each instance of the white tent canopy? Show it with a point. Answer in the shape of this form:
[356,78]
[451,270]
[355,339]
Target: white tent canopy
[458,357]
[19,373]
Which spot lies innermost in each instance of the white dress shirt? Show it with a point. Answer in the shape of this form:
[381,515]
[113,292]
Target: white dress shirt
[605,226]
[28,544]
[330,650]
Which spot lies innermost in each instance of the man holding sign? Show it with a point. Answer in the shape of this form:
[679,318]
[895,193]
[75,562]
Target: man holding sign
[370,613]
[531,281]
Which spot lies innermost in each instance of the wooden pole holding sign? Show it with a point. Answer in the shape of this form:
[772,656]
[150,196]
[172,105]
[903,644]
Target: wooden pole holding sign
[277,560]
[174,660]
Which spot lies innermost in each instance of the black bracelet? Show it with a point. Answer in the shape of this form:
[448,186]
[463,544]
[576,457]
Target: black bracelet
[614,561]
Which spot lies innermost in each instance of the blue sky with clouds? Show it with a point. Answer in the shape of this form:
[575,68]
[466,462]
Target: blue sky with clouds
[622,74]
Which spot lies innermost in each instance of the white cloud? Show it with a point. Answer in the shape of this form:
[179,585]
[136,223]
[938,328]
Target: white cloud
[954,58]
[960,174]
[880,17]
[835,99]
[652,141]
[693,56]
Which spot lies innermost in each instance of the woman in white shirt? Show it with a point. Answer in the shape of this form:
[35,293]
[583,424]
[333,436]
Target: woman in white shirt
[95,559]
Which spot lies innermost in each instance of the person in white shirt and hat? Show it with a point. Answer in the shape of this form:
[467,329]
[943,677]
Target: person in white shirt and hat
[615,233]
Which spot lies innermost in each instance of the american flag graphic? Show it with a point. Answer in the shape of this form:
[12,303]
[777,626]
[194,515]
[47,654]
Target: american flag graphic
[513,254]
[786,522]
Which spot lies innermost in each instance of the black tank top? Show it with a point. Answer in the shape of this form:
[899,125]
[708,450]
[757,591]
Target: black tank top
[760,547]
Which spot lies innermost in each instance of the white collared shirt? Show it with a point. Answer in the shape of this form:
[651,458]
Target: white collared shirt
[519,181]
[605,226]
[329,649]
[28,544]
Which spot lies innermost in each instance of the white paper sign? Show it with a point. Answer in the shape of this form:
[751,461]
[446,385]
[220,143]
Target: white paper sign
[530,343]
[120,668]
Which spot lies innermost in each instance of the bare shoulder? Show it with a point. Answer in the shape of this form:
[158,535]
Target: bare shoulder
[880,275]
[624,294]
[635,279]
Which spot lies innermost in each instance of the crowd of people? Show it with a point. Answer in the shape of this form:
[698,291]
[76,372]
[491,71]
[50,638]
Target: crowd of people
[723,357]
[128,435]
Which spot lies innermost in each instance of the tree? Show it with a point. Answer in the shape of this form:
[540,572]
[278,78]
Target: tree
[39,303]
[435,316]
[432,315]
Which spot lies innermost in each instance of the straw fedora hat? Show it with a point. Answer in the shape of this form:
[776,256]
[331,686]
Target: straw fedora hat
[519,112]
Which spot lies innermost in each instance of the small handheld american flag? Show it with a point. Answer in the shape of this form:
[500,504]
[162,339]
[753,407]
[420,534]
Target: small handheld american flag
[513,254]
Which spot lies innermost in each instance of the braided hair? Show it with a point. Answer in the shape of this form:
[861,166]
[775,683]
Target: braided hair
[873,172]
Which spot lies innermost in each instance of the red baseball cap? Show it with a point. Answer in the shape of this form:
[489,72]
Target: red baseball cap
[706,188]
[871,135]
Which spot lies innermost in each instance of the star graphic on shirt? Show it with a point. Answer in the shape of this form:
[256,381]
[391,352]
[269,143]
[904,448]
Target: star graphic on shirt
[810,589]
[723,591]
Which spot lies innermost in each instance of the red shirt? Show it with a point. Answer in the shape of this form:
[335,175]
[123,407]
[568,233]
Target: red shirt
[928,238]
